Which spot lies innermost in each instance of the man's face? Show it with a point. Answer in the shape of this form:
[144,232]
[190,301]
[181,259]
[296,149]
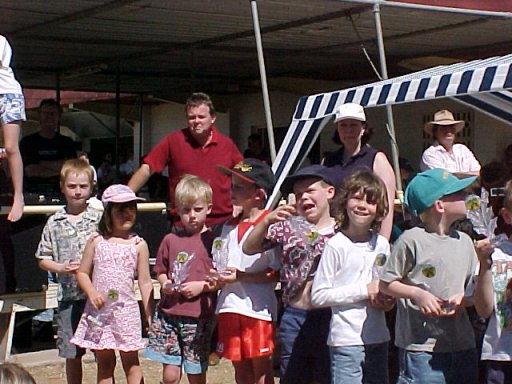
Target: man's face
[49,117]
[200,120]
[445,134]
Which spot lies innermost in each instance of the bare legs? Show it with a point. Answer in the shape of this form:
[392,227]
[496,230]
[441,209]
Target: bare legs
[172,375]
[74,371]
[11,138]
[254,371]
[106,361]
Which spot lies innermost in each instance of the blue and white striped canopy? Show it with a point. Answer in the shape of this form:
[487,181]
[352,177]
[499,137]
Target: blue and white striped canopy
[480,83]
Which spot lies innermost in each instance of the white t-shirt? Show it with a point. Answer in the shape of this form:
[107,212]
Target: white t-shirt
[497,344]
[460,160]
[8,83]
[255,300]
[340,282]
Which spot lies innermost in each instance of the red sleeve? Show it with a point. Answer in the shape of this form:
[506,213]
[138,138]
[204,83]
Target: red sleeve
[236,156]
[160,155]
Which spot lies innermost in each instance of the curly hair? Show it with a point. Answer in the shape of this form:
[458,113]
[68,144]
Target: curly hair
[368,184]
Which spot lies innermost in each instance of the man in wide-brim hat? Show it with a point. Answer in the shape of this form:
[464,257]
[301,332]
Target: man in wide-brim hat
[444,152]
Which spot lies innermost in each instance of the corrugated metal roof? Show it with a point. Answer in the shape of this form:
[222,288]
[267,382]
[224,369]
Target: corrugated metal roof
[174,46]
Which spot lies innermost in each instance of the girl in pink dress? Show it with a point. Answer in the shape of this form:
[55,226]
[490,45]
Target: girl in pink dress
[111,320]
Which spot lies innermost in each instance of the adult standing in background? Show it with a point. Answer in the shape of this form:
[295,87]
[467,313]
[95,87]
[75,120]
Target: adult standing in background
[196,150]
[45,151]
[352,133]
[444,152]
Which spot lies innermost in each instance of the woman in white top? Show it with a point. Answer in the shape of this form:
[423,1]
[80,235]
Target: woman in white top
[444,153]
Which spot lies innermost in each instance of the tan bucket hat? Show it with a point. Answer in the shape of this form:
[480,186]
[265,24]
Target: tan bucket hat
[444,117]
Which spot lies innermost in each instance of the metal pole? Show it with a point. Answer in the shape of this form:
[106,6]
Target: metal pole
[389,110]
[57,93]
[141,127]
[263,76]
[464,11]
[118,114]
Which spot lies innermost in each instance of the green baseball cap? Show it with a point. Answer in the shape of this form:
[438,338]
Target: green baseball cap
[427,187]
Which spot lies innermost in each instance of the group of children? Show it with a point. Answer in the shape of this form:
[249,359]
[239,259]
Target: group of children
[338,277]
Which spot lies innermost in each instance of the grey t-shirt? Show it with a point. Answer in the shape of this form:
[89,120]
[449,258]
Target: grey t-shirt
[444,265]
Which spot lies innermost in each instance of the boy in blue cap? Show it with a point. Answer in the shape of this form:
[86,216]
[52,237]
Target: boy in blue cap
[429,270]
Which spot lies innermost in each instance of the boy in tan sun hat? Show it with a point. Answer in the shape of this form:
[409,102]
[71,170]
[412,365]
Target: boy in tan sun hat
[444,152]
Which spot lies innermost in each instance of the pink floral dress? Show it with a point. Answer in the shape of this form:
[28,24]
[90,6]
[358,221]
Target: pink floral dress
[118,324]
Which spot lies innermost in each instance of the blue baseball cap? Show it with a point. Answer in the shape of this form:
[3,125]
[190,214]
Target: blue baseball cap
[318,171]
[427,187]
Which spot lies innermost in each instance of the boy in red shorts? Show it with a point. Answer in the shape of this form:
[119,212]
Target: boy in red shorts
[247,304]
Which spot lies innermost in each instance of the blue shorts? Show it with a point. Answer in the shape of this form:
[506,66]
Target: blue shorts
[68,317]
[12,108]
[438,367]
[180,340]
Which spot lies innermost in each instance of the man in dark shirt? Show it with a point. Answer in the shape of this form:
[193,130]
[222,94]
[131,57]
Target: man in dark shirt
[45,151]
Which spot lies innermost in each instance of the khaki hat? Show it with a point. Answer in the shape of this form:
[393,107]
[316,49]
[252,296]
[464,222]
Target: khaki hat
[444,117]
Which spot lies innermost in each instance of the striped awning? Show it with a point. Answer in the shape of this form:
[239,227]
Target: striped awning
[480,83]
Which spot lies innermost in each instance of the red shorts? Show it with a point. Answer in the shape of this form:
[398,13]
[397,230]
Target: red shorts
[241,337]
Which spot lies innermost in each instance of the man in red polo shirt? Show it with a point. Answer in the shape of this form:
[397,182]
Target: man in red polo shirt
[195,150]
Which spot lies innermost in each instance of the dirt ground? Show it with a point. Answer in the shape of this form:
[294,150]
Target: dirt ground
[54,374]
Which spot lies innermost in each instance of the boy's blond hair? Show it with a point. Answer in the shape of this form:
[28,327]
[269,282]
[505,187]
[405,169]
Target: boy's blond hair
[76,166]
[507,198]
[190,189]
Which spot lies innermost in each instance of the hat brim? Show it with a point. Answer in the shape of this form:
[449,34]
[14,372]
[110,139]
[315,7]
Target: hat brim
[289,182]
[336,119]
[460,185]
[459,125]
[231,172]
[121,199]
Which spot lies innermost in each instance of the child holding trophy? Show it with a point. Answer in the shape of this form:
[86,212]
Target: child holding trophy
[111,320]
[247,304]
[180,330]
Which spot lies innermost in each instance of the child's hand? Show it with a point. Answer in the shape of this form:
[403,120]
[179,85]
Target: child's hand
[453,305]
[385,302]
[484,250]
[168,287]
[71,266]
[227,278]
[97,300]
[191,289]
[428,304]
[281,213]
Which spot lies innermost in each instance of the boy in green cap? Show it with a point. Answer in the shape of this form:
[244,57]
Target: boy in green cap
[429,270]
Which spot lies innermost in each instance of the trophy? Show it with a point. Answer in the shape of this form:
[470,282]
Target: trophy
[103,316]
[180,271]
[304,230]
[482,217]
[220,256]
